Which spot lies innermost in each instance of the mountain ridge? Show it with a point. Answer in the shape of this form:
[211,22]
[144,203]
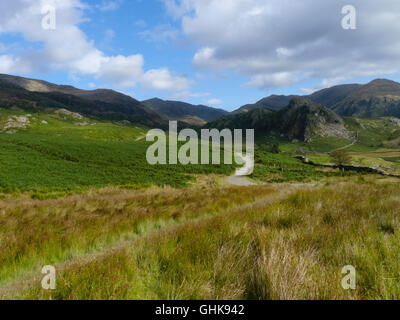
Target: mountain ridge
[186,112]
[101,103]
[106,103]
[378,98]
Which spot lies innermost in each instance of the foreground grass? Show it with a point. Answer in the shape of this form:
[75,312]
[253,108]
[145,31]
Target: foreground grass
[35,233]
[284,245]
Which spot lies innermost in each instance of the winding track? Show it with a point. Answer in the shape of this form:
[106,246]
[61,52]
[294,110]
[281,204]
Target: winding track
[239,178]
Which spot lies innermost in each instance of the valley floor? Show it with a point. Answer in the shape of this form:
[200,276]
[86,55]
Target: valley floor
[207,241]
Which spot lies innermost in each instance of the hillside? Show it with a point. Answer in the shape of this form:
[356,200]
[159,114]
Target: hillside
[379,98]
[61,151]
[331,96]
[103,104]
[185,112]
[327,97]
[302,120]
[273,102]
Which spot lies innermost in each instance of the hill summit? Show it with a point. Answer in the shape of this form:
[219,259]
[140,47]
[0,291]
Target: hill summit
[301,119]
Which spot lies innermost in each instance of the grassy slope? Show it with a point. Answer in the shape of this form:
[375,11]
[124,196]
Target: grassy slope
[62,156]
[286,244]
[277,168]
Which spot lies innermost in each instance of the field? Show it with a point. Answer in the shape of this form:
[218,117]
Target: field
[207,242]
[79,195]
[66,155]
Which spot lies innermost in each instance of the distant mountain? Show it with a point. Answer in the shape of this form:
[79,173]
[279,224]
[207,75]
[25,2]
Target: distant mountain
[379,98]
[273,102]
[185,112]
[331,96]
[302,119]
[104,104]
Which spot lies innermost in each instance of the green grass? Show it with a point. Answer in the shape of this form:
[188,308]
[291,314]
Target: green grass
[61,156]
[277,168]
[327,144]
[372,133]
[392,159]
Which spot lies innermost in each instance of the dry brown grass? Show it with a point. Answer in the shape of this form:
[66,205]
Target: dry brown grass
[36,233]
[290,244]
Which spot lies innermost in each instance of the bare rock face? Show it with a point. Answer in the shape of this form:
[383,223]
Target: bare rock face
[304,119]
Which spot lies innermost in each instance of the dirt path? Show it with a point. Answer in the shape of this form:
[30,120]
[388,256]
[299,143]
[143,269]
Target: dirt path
[240,181]
[240,177]
[348,146]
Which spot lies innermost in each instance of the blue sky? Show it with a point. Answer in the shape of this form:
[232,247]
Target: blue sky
[223,53]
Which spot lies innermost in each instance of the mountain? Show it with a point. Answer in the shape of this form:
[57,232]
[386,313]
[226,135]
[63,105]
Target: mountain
[102,103]
[273,102]
[331,96]
[185,112]
[302,119]
[327,97]
[379,98]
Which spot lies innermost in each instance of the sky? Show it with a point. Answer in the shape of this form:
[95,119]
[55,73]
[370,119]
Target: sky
[221,53]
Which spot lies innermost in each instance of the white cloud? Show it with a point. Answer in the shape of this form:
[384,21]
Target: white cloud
[213,102]
[177,8]
[187,95]
[10,64]
[162,79]
[109,5]
[67,48]
[281,42]
[123,71]
[160,33]
[275,80]
[141,23]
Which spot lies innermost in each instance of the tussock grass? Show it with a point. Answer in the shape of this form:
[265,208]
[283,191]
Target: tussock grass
[284,245]
[36,233]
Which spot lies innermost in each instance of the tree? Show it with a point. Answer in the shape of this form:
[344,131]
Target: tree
[340,157]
